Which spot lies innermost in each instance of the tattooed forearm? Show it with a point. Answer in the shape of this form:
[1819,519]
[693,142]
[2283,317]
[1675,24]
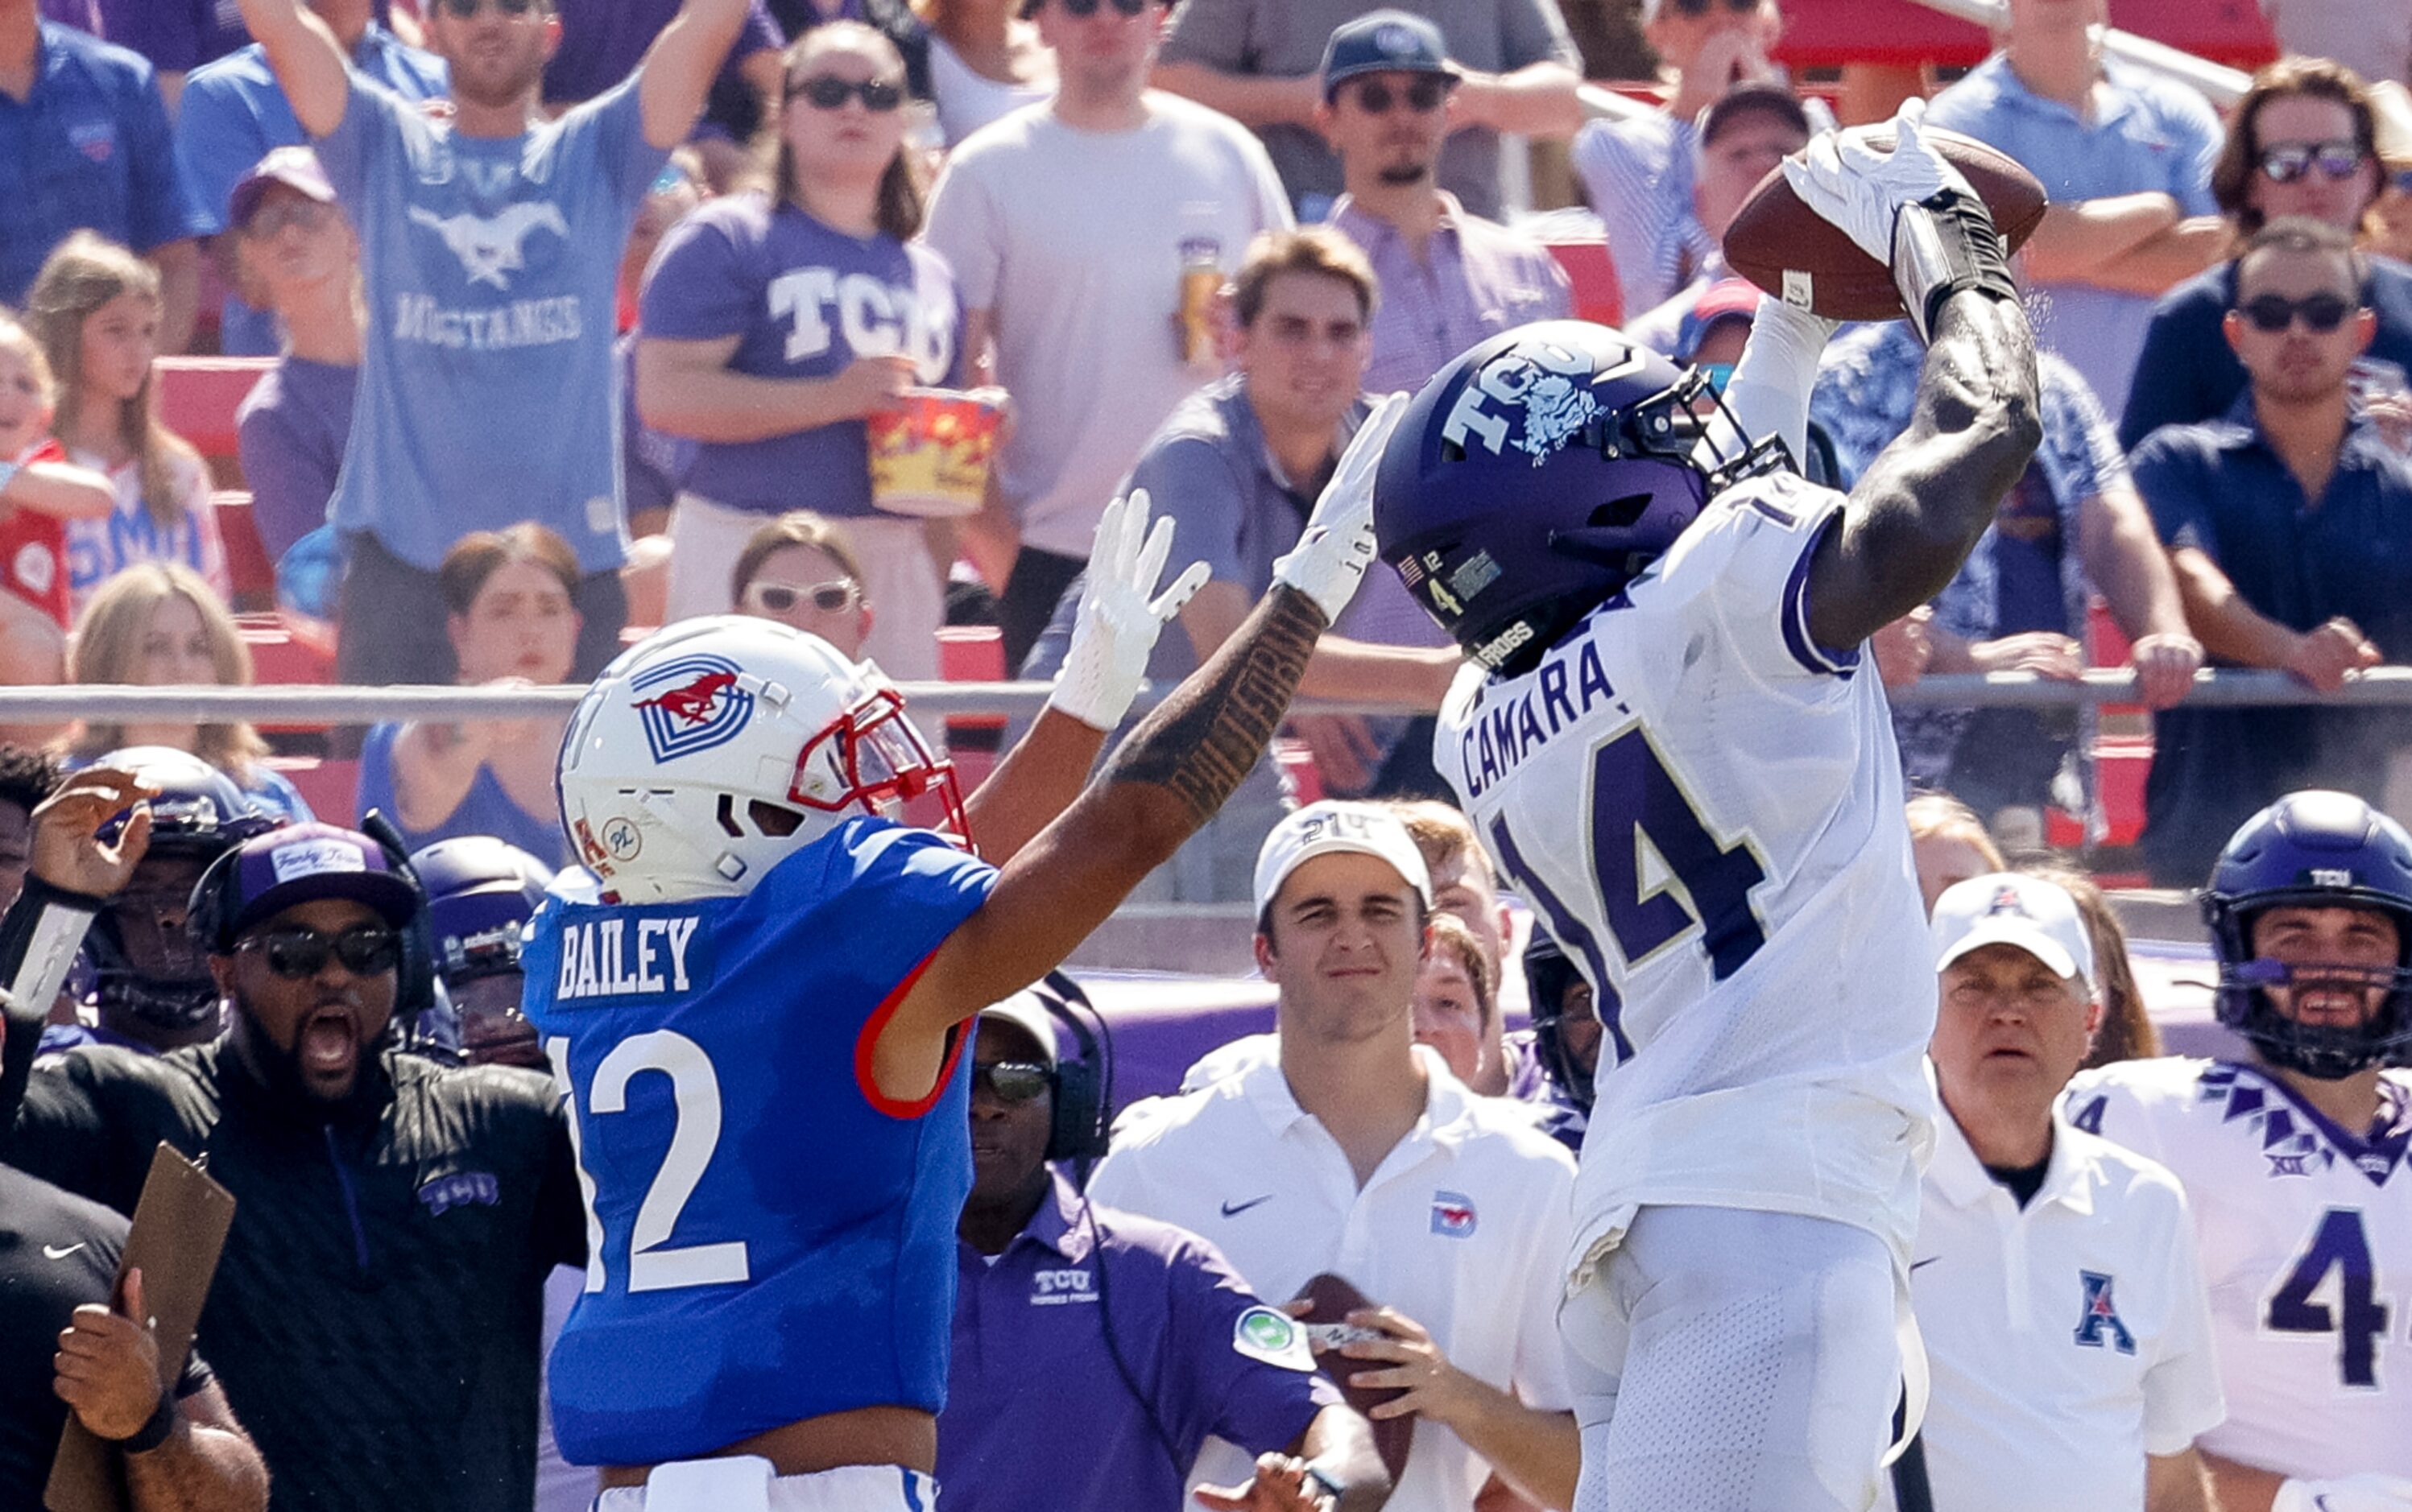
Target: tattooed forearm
[1202,740]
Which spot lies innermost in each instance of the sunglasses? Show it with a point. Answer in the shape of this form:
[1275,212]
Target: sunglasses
[1013,1081]
[1423,97]
[830,597]
[365,950]
[2290,162]
[827,92]
[467,9]
[270,220]
[1701,8]
[2321,313]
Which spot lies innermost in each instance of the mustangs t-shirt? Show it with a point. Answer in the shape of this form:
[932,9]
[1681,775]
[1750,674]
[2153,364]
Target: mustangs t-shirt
[490,263]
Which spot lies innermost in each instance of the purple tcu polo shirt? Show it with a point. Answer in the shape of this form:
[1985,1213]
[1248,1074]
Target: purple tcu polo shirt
[1038,1419]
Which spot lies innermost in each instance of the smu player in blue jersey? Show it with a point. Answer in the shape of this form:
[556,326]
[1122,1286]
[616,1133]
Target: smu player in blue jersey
[759,1021]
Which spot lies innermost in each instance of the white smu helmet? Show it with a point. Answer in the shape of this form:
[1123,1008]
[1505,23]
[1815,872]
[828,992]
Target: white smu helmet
[716,748]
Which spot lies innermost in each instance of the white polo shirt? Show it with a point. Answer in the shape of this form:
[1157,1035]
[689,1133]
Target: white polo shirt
[2068,1339]
[1462,1228]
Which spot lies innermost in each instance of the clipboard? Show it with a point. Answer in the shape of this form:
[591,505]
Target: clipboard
[179,1228]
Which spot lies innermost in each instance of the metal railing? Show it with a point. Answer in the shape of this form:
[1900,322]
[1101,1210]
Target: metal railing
[315,704]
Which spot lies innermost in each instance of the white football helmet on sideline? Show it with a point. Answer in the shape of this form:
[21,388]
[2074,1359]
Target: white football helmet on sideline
[717,747]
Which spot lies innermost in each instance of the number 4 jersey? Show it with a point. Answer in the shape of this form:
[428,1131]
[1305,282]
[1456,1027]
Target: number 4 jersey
[1704,808]
[768,1238]
[2306,1239]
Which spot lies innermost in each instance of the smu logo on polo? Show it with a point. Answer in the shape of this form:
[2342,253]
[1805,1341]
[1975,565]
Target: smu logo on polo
[692,704]
[439,1194]
[492,246]
[2100,1318]
[1055,1288]
[626,957]
[1452,1215]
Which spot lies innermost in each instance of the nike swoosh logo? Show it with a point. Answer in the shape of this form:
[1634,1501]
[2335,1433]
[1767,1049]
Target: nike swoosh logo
[51,1252]
[1233,1209]
[1915,1265]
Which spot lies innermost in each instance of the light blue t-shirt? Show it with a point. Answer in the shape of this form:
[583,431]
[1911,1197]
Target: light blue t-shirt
[2149,134]
[488,394]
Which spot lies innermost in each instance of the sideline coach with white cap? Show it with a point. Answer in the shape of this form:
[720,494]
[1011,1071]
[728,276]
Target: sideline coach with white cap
[1356,1153]
[2055,1277]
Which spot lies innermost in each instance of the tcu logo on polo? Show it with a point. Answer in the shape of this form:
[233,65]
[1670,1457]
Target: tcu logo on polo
[1058,1287]
[2101,1315]
[695,703]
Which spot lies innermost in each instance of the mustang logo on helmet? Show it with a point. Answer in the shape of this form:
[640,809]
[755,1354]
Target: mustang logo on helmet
[699,706]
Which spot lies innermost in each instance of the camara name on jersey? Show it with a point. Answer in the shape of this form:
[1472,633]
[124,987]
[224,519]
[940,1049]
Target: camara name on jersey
[628,957]
[1500,735]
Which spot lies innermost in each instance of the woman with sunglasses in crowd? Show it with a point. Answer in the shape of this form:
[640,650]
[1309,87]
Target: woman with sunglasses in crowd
[800,570]
[775,322]
[2302,142]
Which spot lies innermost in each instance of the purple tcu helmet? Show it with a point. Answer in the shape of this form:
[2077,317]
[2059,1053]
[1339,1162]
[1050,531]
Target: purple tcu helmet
[480,891]
[1537,474]
[2312,850]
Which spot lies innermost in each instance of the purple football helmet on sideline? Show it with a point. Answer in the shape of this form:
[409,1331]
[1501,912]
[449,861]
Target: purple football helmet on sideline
[2312,850]
[1541,472]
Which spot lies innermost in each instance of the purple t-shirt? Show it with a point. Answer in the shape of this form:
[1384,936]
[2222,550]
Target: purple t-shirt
[177,36]
[602,41]
[804,300]
[1036,1413]
[291,431]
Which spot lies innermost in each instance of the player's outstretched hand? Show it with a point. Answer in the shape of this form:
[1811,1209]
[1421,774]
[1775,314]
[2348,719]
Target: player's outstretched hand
[1862,190]
[1121,614]
[67,850]
[2372,1493]
[1337,546]
[1281,1484]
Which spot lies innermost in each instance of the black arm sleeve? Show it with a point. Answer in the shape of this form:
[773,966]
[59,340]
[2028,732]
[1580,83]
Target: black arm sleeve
[39,937]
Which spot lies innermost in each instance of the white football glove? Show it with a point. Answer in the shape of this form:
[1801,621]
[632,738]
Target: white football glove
[2369,1492]
[1337,546]
[1862,190]
[1118,622]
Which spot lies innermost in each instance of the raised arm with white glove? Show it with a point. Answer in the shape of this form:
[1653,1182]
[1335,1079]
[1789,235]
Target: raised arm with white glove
[1337,546]
[1121,614]
[1907,208]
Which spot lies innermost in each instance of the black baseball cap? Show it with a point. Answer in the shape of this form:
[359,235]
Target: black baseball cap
[1384,41]
[1759,97]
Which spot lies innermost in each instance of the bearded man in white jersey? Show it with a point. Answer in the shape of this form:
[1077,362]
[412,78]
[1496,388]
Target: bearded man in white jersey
[1672,753]
[2294,1157]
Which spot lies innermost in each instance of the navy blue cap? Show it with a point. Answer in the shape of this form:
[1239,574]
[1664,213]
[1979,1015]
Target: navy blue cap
[1384,41]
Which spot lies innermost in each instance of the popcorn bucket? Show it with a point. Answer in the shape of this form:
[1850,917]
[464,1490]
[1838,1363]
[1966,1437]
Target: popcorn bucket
[930,455]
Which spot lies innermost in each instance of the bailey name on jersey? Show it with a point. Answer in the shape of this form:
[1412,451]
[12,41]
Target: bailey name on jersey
[630,956]
[1497,739]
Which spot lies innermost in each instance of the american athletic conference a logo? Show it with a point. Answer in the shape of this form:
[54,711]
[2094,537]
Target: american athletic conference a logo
[694,704]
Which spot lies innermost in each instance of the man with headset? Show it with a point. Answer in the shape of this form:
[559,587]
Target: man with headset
[1094,1351]
[374,1316]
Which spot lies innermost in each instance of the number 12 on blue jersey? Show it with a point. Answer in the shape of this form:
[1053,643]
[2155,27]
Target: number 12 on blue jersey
[1705,891]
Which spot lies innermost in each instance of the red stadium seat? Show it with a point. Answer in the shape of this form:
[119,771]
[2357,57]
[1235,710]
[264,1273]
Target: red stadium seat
[1296,762]
[199,396]
[286,653]
[1598,296]
[974,742]
[1828,34]
[328,787]
[248,566]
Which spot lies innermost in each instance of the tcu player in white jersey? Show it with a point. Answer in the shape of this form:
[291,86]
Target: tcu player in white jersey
[1670,748]
[2294,1157]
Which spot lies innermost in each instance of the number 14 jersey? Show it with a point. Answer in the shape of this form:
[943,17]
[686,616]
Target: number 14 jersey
[1704,808]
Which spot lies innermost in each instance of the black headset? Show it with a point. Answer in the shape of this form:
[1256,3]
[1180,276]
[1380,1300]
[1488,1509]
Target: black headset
[217,899]
[1083,1082]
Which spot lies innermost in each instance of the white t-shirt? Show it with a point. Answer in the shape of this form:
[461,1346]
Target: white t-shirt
[2306,1239]
[1705,809]
[1462,1228]
[1074,241]
[2067,1339]
[967,100]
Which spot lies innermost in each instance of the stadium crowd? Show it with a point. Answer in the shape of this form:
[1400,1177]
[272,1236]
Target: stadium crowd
[574,318]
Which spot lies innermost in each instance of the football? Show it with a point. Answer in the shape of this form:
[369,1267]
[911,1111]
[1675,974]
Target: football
[1776,240]
[1327,1328]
